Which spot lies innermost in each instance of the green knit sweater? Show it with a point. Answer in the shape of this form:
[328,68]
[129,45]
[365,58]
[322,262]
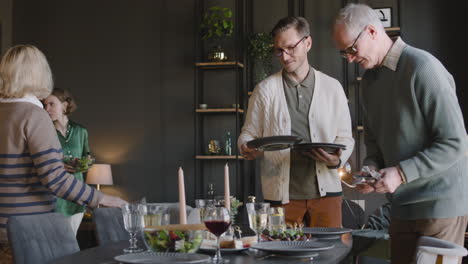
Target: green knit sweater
[413,119]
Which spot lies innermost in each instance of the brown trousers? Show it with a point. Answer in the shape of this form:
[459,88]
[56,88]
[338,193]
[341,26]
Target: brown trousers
[404,235]
[320,212]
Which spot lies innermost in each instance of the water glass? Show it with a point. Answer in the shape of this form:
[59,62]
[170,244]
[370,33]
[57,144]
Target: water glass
[258,217]
[153,214]
[276,220]
[134,223]
[202,204]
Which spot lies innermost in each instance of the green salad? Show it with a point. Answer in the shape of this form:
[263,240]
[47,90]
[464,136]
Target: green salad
[173,241]
[285,235]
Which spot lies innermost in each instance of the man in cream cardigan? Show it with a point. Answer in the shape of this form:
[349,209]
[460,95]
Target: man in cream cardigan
[304,102]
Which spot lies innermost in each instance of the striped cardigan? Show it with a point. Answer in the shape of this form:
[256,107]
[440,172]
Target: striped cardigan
[31,167]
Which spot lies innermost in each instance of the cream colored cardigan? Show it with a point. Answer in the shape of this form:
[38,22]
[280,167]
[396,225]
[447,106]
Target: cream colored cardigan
[329,121]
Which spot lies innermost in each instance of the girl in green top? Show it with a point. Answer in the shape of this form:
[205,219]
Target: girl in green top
[74,140]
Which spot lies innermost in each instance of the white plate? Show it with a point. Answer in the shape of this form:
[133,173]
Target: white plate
[155,257]
[292,247]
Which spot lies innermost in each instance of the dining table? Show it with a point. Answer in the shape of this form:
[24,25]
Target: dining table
[105,254]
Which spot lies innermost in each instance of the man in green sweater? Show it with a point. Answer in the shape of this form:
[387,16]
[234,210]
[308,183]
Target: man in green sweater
[414,132]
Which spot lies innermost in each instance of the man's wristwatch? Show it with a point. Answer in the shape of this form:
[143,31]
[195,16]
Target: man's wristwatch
[336,166]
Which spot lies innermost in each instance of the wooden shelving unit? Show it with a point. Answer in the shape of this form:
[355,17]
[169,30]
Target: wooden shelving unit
[217,65]
[211,157]
[220,110]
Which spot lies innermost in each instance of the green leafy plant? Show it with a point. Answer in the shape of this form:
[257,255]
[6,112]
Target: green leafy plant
[217,23]
[260,49]
[261,46]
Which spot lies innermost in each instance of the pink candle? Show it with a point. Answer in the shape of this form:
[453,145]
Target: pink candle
[182,212]
[227,195]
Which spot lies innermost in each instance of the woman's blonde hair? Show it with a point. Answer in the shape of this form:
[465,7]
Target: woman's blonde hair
[24,70]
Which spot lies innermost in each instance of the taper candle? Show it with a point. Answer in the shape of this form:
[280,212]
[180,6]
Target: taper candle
[227,195]
[182,211]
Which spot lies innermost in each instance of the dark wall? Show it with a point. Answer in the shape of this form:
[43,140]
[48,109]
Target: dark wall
[130,66]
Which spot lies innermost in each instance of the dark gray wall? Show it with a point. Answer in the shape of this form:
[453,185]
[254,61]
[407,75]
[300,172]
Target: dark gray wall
[130,65]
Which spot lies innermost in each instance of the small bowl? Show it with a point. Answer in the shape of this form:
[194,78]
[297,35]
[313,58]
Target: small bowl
[203,106]
[174,238]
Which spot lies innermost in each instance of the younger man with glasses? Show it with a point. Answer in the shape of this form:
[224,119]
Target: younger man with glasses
[304,102]
[414,132]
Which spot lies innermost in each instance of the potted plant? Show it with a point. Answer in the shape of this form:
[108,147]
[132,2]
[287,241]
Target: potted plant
[217,24]
[260,49]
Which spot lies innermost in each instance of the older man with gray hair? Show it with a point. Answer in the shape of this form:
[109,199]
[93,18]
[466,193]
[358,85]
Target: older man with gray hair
[414,132]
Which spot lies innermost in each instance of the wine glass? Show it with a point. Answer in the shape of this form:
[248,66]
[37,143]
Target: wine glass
[258,217]
[133,222]
[217,220]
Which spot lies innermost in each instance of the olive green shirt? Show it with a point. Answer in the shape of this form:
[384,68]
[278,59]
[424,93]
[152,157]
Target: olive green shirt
[74,145]
[303,178]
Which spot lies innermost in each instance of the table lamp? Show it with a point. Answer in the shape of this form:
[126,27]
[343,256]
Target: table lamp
[99,174]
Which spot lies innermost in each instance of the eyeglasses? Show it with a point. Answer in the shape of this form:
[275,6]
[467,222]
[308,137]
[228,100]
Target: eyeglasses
[352,49]
[290,50]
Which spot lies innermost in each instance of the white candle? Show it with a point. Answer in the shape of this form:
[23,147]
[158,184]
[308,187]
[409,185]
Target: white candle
[227,195]
[182,212]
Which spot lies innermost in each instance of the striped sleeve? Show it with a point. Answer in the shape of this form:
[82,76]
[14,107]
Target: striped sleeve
[46,154]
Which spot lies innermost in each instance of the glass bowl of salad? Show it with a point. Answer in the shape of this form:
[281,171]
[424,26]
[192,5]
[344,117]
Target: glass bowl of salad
[174,238]
[79,164]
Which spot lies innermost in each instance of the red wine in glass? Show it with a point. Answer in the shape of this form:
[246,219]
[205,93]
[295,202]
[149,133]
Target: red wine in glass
[217,227]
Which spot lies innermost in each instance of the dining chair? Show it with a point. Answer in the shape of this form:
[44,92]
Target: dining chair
[352,214]
[40,238]
[431,250]
[109,225]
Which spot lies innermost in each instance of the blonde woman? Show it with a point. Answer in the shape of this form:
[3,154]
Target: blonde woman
[74,141]
[31,167]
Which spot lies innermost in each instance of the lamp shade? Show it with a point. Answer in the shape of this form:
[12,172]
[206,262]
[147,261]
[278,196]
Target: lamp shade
[99,174]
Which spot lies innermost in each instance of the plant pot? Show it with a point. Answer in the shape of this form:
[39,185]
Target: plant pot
[217,54]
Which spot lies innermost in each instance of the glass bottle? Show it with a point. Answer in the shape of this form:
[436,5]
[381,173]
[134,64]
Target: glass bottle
[228,144]
[210,192]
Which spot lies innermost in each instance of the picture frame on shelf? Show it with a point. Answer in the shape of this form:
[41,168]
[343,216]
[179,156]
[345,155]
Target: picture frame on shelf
[385,15]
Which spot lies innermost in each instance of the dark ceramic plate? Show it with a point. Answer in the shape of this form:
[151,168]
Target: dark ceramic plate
[326,232]
[273,143]
[292,247]
[328,147]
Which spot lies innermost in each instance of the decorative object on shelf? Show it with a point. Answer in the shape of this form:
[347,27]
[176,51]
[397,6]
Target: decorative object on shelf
[217,25]
[99,174]
[217,54]
[203,106]
[260,49]
[385,15]
[228,144]
[214,147]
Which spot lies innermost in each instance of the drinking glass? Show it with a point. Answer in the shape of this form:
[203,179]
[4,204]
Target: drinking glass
[133,222]
[201,204]
[152,214]
[217,221]
[258,217]
[276,221]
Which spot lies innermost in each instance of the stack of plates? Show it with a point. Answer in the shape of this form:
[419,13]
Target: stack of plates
[326,232]
[273,143]
[154,257]
[299,249]
[283,142]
